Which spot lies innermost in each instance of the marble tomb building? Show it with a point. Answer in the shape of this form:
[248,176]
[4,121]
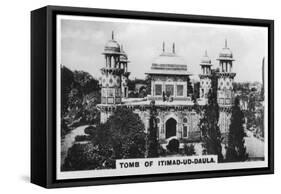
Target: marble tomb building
[169,74]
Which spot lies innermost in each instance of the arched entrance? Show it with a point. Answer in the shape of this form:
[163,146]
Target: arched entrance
[171,128]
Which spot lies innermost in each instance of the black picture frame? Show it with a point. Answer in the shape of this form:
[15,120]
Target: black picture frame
[43,95]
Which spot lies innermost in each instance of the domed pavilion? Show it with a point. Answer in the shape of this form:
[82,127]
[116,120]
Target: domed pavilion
[169,76]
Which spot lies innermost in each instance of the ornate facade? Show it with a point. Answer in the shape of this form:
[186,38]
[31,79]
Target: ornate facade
[176,115]
[111,74]
[125,76]
[205,81]
[225,95]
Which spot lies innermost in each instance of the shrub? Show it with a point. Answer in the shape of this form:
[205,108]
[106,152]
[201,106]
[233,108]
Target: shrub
[64,128]
[173,146]
[162,152]
[87,157]
[125,133]
[122,136]
[189,150]
[90,130]
[81,138]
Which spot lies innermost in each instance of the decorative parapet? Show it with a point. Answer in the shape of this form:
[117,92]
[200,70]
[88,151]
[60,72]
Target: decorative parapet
[226,74]
[202,76]
[226,108]
[116,71]
[146,106]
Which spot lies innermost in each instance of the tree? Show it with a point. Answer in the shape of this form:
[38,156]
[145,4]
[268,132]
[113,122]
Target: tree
[67,81]
[122,136]
[64,128]
[142,92]
[148,84]
[123,133]
[262,93]
[252,104]
[87,157]
[208,124]
[85,82]
[127,135]
[196,90]
[80,94]
[260,123]
[236,150]
[250,113]
[153,144]
[131,85]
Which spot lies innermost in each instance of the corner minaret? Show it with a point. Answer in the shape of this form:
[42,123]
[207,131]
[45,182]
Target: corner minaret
[225,93]
[225,77]
[125,76]
[111,73]
[205,76]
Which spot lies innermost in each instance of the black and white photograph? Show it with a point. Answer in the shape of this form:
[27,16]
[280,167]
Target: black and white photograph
[139,97]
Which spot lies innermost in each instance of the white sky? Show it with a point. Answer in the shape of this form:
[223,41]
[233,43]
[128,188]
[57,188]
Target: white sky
[83,41]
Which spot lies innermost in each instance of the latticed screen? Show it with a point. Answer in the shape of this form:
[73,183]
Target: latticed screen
[179,90]
[170,90]
[103,100]
[118,92]
[110,92]
[158,89]
[117,100]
